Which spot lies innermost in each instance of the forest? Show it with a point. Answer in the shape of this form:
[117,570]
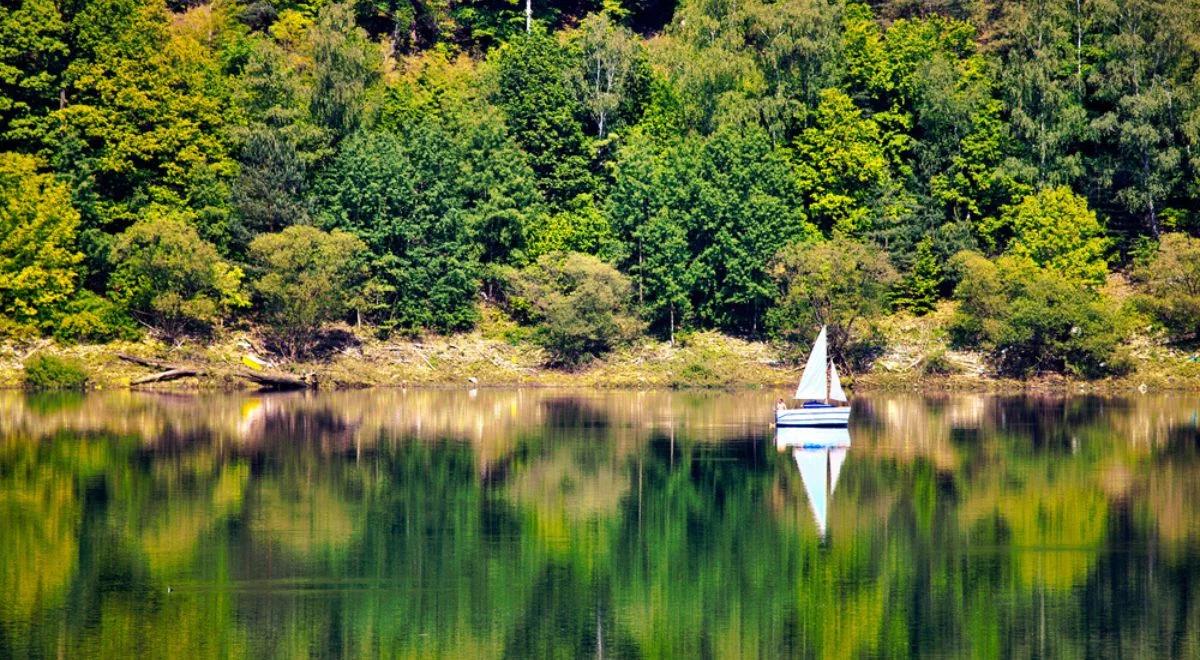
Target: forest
[604,171]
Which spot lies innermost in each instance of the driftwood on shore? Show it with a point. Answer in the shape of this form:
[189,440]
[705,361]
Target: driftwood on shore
[163,376]
[146,362]
[171,372]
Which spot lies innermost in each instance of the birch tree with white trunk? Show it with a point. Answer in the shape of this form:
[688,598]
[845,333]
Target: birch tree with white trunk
[609,55]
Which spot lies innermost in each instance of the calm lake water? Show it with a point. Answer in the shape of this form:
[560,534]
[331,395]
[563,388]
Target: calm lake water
[626,524]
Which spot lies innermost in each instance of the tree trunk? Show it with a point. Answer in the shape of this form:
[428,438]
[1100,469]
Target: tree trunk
[1154,229]
[641,273]
[528,16]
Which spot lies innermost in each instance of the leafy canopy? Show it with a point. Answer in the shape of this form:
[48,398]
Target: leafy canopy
[1055,228]
[1032,320]
[170,277]
[838,283]
[39,265]
[1172,281]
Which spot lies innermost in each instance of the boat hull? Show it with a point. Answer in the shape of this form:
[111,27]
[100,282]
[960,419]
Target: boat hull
[813,418]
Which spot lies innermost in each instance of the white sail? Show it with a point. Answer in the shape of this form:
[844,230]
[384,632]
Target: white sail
[835,385]
[813,381]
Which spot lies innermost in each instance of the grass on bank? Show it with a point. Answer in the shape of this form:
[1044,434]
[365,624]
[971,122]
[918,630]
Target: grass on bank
[498,352]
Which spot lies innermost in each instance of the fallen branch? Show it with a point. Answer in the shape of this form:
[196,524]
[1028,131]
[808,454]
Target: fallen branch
[175,371]
[163,376]
[147,362]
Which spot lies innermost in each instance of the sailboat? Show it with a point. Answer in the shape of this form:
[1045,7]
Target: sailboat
[819,387]
[819,470]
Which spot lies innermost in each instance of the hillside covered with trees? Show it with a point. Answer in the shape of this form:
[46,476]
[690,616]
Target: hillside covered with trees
[604,170]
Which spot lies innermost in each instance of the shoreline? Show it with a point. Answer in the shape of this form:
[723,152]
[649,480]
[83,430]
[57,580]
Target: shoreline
[704,361]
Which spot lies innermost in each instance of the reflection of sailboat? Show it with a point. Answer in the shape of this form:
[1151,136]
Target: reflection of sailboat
[819,470]
[810,438]
[819,387]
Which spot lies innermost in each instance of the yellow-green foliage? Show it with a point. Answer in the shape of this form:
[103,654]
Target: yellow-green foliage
[843,167]
[1032,320]
[839,283]
[37,235]
[581,305]
[1056,229]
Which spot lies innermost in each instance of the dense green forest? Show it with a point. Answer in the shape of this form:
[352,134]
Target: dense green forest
[603,169]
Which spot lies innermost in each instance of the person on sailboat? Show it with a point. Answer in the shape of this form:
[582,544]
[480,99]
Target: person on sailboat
[781,405]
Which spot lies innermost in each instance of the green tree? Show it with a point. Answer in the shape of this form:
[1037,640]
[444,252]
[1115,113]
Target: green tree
[837,283]
[653,178]
[924,78]
[1043,84]
[666,271]
[144,120]
[280,146]
[1055,228]
[543,114]
[345,65]
[306,278]
[744,208]
[39,265]
[1172,283]
[171,278]
[581,305]
[918,290]
[757,61]
[581,227]
[844,167]
[498,187]
[399,196]
[34,51]
[270,192]
[1142,85]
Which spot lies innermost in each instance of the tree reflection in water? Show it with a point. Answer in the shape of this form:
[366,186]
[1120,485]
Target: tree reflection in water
[552,523]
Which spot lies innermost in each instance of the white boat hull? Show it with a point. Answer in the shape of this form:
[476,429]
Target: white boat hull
[836,417]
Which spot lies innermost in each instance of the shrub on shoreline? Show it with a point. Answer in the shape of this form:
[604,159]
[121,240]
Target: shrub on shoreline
[1031,320]
[580,304]
[48,372]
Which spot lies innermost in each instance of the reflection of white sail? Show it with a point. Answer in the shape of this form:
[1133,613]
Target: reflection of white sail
[819,470]
[811,437]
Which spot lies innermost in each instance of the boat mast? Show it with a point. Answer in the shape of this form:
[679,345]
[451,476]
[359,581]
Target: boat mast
[828,375]
[828,382]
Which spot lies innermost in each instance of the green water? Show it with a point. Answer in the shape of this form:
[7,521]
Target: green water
[550,523]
